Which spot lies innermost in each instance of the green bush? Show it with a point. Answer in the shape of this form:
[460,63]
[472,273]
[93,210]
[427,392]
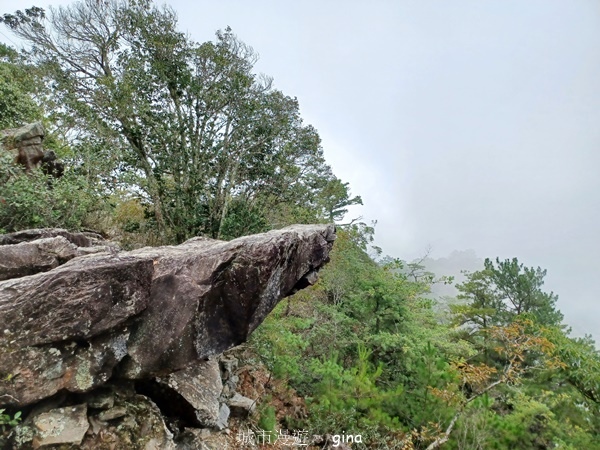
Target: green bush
[33,200]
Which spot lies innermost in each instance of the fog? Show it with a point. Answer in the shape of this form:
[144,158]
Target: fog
[463,125]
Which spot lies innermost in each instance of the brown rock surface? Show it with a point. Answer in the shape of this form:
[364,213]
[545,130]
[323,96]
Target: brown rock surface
[25,144]
[29,258]
[144,313]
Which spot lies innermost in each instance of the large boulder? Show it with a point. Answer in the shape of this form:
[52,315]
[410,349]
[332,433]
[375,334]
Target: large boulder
[86,319]
[25,144]
[28,258]
[200,386]
[32,251]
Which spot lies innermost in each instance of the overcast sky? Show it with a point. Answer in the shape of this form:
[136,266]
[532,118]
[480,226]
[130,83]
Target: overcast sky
[462,124]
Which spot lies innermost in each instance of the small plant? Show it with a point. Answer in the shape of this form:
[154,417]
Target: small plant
[266,424]
[6,421]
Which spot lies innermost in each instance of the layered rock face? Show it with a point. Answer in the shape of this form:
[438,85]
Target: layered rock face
[25,144]
[77,316]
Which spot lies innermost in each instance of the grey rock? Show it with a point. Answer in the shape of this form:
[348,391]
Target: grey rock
[61,426]
[145,313]
[200,385]
[208,296]
[227,392]
[202,439]
[112,413]
[29,131]
[35,373]
[96,425]
[32,251]
[96,249]
[24,144]
[241,406]
[141,427]
[36,140]
[79,239]
[101,399]
[311,277]
[28,258]
[228,365]
[223,419]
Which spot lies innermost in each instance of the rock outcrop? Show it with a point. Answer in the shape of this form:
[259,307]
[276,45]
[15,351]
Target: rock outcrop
[88,329]
[40,250]
[26,146]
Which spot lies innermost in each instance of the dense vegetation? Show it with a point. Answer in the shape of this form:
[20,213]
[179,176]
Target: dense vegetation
[370,354]
[165,138]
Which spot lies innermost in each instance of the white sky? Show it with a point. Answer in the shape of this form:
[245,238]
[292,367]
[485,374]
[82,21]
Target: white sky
[463,124]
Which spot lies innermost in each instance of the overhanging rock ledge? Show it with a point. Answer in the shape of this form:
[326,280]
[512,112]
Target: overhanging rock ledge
[140,314]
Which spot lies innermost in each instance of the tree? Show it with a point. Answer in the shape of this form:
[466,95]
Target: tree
[479,310]
[482,307]
[520,290]
[17,87]
[210,146]
[581,367]
[502,292]
[514,342]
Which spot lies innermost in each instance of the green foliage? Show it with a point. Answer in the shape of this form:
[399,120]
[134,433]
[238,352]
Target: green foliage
[369,353]
[17,86]
[36,201]
[266,424]
[353,346]
[212,147]
[335,198]
[498,295]
[519,289]
[581,367]
[8,421]
[351,393]
[22,17]
[526,427]
[482,307]
[279,346]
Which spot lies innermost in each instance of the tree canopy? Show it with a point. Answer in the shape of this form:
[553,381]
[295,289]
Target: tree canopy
[211,147]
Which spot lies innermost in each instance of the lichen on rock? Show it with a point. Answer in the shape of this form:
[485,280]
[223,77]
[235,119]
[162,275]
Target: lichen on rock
[94,339]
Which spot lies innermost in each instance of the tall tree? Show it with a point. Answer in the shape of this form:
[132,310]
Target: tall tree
[210,145]
[520,290]
[503,291]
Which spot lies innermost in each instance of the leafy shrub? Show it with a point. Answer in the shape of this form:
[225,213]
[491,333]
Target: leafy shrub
[34,200]
[6,421]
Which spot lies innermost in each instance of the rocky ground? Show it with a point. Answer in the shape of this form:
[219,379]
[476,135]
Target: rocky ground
[104,349]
